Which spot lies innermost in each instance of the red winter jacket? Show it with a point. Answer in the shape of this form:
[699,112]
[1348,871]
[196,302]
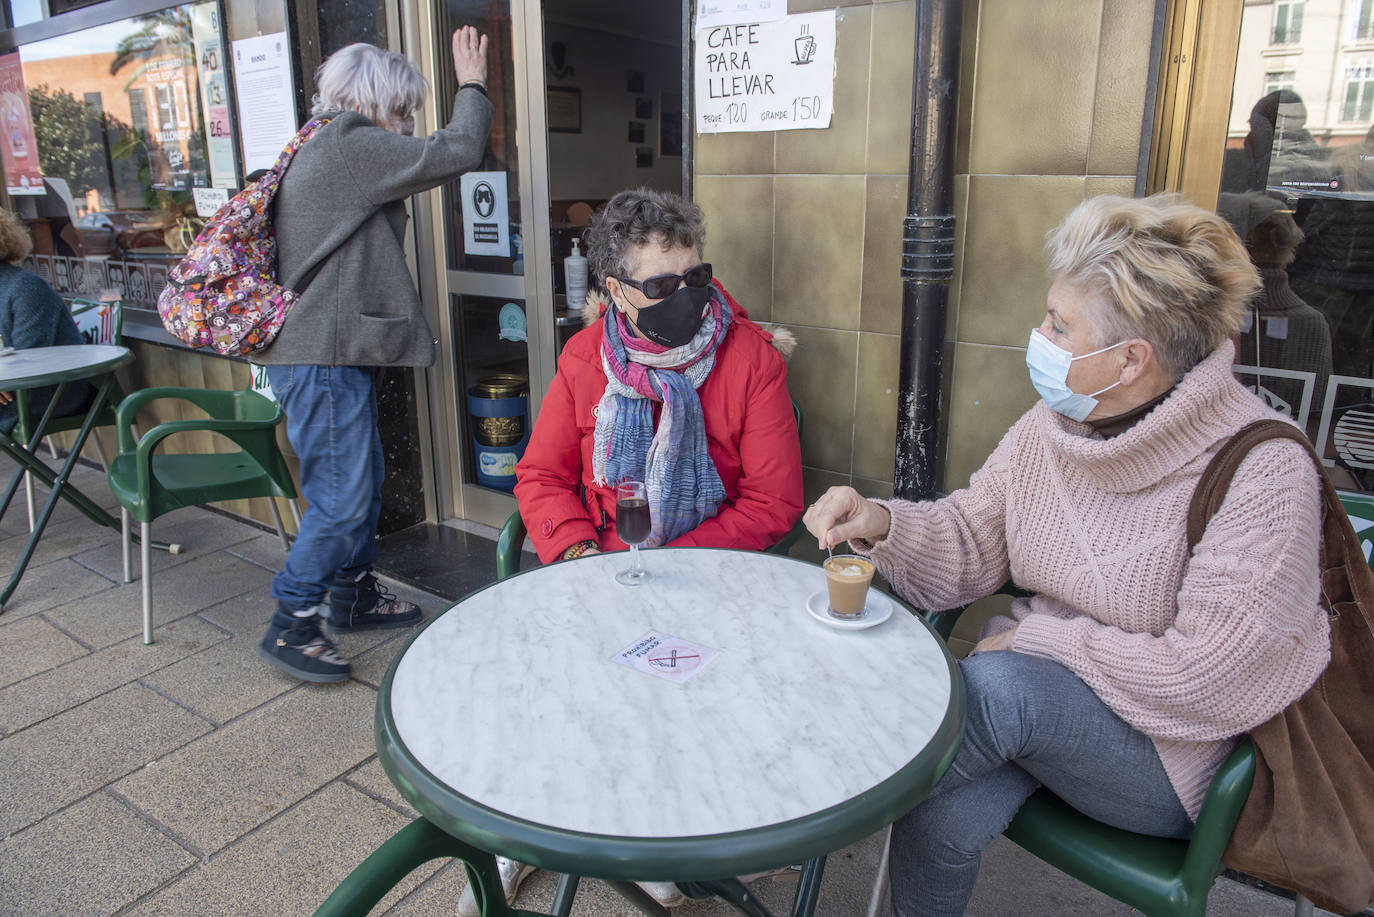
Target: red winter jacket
[751,435]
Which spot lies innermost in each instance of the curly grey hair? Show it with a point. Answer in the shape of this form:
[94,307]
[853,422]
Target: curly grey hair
[636,218]
[380,85]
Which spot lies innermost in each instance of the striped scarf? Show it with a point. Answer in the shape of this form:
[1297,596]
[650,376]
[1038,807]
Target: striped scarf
[683,485]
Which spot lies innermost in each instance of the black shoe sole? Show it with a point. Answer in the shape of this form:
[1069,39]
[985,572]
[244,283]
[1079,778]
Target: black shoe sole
[319,678]
[389,624]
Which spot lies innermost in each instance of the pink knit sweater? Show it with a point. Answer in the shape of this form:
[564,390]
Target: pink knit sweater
[1190,650]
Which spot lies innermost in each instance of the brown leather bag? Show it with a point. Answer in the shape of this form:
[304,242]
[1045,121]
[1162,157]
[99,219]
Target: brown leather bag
[1308,824]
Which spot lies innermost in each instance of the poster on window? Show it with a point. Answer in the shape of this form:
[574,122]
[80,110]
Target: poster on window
[766,76]
[214,94]
[18,146]
[266,97]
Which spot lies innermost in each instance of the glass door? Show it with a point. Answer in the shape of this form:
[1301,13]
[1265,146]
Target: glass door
[496,353]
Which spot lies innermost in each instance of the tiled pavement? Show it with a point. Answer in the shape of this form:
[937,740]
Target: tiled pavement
[188,778]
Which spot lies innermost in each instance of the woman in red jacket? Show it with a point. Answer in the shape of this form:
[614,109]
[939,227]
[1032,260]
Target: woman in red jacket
[673,386]
[669,384]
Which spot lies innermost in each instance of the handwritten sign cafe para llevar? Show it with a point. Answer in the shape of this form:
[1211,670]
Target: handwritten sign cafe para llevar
[766,76]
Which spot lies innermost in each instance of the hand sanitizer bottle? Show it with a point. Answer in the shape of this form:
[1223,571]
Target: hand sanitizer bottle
[575,275]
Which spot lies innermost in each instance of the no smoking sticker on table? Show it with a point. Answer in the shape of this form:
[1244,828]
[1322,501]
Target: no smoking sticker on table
[666,656]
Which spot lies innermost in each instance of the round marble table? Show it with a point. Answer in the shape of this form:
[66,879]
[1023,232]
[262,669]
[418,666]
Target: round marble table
[510,723]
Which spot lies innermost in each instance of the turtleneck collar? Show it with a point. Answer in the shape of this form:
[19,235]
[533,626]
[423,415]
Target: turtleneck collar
[1207,406]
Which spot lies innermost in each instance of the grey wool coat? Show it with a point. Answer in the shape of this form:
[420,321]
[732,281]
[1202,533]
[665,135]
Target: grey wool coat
[341,208]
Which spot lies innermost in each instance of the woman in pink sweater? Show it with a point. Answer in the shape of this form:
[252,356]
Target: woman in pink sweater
[1124,681]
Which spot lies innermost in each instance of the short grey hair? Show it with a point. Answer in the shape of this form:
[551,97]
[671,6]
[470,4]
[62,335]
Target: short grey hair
[638,217]
[375,83]
[1164,270]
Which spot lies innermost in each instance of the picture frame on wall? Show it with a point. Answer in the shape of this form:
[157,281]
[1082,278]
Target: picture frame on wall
[564,106]
[670,124]
[636,132]
[634,81]
[644,108]
[644,157]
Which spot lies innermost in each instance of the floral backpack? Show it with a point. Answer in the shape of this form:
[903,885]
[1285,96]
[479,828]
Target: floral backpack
[224,293]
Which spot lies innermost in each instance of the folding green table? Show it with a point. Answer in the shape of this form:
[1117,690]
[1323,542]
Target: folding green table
[22,370]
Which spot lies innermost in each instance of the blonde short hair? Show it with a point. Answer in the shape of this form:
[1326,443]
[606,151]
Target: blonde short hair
[1168,272]
[377,84]
[15,241]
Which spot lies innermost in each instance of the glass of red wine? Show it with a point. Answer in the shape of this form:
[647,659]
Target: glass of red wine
[632,524]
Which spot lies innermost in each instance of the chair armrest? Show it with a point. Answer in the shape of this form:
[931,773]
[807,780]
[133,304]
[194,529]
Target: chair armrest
[215,402]
[256,437]
[944,621]
[1221,808]
[508,546]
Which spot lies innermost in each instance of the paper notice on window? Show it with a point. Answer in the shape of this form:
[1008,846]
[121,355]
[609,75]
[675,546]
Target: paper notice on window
[667,657]
[266,97]
[209,200]
[766,76]
[732,12]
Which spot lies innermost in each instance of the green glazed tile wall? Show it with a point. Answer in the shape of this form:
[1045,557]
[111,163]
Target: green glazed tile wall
[807,225]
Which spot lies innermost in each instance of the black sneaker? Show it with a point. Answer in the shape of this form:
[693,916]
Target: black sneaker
[302,651]
[364,604]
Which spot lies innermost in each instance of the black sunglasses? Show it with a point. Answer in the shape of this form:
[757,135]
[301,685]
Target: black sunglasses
[661,286]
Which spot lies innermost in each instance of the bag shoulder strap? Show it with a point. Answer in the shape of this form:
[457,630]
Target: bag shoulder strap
[1216,478]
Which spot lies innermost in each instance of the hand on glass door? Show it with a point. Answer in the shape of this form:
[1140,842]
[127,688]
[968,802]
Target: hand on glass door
[470,56]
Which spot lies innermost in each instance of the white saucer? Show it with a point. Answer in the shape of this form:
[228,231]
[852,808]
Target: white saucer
[877,609]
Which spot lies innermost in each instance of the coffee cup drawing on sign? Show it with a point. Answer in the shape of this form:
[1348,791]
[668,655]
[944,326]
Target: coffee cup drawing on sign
[804,47]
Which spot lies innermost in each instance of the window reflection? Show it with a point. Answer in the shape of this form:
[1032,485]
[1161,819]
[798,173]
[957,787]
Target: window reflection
[1298,186]
[128,120]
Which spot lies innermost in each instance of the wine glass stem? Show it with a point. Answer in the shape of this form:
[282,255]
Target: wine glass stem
[634,559]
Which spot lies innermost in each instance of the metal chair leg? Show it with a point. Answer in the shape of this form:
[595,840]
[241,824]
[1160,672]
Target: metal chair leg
[52,447]
[281,530]
[1303,907]
[124,543]
[145,550]
[295,513]
[28,494]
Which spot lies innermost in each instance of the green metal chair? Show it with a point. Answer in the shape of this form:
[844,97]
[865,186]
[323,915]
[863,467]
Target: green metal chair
[148,483]
[512,537]
[1157,876]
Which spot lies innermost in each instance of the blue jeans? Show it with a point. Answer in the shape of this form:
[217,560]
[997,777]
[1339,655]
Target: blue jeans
[1030,722]
[331,421]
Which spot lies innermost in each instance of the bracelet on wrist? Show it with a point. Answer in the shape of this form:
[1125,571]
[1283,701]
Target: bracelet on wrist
[475,84]
[577,550]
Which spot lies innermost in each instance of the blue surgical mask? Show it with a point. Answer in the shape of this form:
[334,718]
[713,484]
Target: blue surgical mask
[1049,371]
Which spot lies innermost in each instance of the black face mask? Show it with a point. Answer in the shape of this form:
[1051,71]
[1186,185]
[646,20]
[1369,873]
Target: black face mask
[674,321]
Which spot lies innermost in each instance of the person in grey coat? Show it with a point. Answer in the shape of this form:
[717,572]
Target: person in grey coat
[340,222]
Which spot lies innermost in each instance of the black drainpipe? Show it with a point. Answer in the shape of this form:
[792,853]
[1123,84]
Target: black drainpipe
[927,247]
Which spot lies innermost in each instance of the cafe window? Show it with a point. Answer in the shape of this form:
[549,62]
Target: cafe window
[1297,184]
[108,147]
[1288,22]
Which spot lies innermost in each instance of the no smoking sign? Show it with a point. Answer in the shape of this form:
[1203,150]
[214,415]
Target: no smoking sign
[666,656]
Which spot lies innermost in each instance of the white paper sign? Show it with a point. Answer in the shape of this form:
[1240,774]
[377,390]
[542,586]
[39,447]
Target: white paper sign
[266,96]
[731,12]
[486,214]
[208,200]
[766,76]
[666,656]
